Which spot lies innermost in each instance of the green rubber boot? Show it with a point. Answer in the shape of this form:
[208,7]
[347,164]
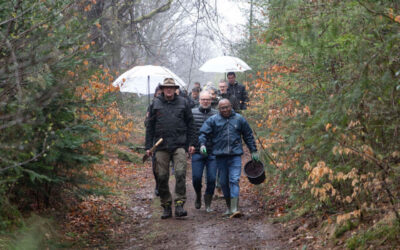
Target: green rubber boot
[235,208]
[228,212]
[207,202]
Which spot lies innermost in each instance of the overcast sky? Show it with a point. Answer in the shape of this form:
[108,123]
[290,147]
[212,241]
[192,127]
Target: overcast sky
[233,19]
[231,12]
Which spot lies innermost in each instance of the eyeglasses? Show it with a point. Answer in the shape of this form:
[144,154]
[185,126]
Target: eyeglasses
[205,99]
[224,107]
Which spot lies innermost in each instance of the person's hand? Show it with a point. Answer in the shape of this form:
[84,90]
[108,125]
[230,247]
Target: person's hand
[192,150]
[149,153]
[203,150]
[255,156]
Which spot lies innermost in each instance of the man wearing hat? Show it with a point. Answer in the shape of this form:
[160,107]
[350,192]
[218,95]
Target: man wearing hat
[170,118]
[226,130]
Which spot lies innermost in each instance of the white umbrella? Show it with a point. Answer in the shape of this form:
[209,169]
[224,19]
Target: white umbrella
[224,64]
[145,79]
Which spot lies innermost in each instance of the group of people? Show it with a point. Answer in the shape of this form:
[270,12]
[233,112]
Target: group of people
[233,91]
[213,138]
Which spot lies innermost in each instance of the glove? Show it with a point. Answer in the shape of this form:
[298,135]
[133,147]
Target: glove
[255,156]
[203,150]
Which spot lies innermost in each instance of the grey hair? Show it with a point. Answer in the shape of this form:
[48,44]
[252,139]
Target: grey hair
[203,92]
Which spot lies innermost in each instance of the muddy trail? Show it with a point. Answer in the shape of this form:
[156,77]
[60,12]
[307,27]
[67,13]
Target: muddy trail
[199,230]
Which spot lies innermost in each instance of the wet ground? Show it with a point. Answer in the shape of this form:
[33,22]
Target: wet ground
[200,230]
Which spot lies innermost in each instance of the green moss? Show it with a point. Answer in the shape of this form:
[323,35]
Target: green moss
[348,226]
[126,156]
[376,236]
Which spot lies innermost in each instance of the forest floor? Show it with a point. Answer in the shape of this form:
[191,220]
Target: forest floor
[130,217]
[144,229]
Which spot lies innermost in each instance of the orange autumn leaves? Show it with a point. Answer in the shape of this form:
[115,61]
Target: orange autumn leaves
[393,17]
[111,123]
[114,127]
[269,107]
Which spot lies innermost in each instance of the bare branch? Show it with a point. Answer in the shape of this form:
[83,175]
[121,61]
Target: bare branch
[34,158]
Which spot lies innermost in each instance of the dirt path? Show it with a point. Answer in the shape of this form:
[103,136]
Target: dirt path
[199,230]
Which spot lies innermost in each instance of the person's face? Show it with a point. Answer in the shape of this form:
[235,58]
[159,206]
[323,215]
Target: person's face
[177,91]
[195,95]
[225,108]
[213,94]
[205,100]
[197,85]
[223,87]
[169,92]
[158,93]
[231,79]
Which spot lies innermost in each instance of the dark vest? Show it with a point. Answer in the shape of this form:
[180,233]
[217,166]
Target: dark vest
[200,115]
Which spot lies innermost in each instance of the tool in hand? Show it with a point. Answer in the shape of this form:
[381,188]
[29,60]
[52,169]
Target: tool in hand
[145,157]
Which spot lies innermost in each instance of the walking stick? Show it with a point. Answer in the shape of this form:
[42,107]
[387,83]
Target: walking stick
[264,150]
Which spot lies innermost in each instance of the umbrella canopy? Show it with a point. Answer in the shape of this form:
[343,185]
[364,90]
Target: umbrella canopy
[224,64]
[145,79]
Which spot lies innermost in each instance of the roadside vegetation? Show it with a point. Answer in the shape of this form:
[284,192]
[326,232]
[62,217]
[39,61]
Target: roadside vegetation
[326,105]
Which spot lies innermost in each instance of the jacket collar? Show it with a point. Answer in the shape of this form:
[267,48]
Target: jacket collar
[203,110]
[234,84]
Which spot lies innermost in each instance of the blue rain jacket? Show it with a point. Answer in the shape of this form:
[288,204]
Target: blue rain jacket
[226,134]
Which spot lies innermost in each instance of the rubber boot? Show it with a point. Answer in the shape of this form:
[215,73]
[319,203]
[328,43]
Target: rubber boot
[234,208]
[197,203]
[207,202]
[228,212]
[179,211]
[167,212]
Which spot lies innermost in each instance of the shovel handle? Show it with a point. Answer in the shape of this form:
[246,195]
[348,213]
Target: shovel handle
[145,157]
[156,145]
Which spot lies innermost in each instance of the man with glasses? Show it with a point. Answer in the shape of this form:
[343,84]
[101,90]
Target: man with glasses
[199,161]
[226,130]
[171,119]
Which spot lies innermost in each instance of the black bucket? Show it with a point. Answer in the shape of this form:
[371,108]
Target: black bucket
[254,170]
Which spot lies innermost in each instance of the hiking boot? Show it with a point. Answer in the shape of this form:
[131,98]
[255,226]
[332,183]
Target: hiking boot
[228,212]
[167,213]
[234,208]
[207,202]
[197,203]
[179,211]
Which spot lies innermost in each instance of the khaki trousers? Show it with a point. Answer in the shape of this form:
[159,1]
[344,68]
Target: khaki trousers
[163,159]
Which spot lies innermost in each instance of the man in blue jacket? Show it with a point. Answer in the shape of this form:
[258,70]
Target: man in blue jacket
[226,130]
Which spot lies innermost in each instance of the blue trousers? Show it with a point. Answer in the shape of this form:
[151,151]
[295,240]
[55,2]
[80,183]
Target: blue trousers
[230,169]
[200,161]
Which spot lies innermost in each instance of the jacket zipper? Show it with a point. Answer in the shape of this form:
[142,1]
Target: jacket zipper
[229,150]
